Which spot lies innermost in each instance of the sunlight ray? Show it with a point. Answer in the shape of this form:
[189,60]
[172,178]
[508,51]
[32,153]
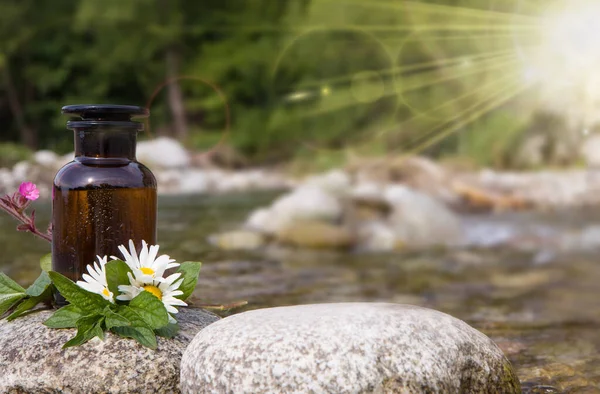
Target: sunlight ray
[350,101]
[412,67]
[480,89]
[482,67]
[450,10]
[509,92]
[451,26]
[445,37]
[369,138]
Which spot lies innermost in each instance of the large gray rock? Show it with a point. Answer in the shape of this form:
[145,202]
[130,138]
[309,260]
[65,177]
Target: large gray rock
[32,361]
[344,348]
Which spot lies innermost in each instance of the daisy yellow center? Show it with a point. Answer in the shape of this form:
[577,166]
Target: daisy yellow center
[106,292]
[154,290]
[147,271]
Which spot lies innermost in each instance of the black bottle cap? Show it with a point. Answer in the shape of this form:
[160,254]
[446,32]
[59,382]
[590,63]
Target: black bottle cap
[105,115]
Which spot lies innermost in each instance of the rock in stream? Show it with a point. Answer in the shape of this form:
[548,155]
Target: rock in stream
[32,359]
[344,348]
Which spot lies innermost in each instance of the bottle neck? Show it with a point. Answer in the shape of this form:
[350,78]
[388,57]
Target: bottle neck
[98,144]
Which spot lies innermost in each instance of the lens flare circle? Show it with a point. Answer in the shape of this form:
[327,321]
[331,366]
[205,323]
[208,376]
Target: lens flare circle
[213,86]
[367,86]
[323,92]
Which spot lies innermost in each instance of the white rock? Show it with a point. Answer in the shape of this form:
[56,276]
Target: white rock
[194,181]
[20,171]
[214,176]
[377,237]
[267,221]
[236,181]
[419,220]
[169,181]
[368,191]
[334,182]
[247,180]
[261,220]
[163,153]
[7,183]
[237,240]
[344,348]
[264,180]
[46,158]
[308,202]
[590,150]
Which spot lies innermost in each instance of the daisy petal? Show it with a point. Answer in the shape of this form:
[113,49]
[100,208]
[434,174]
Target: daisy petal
[95,281]
[153,252]
[134,256]
[171,309]
[144,254]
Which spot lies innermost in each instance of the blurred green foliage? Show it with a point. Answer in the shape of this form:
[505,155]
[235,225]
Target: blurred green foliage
[298,78]
[11,154]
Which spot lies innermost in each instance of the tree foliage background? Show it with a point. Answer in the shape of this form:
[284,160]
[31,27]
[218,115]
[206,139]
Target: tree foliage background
[297,76]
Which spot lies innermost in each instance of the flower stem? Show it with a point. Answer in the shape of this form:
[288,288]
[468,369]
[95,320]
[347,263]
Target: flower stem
[16,210]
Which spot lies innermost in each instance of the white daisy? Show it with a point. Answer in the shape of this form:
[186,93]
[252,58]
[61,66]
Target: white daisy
[165,290]
[147,268]
[147,275]
[95,282]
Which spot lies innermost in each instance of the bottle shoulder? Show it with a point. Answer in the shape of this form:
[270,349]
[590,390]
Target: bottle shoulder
[85,175]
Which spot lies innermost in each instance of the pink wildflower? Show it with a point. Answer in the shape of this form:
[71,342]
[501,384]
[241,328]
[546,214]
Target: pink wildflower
[29,190]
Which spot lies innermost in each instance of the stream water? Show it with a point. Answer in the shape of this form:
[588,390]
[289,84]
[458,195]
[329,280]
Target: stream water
[529,281]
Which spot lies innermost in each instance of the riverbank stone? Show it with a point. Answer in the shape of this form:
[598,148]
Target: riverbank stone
[32,359]
[344,348]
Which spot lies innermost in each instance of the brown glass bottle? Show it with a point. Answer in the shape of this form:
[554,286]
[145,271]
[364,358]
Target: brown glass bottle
[104,197]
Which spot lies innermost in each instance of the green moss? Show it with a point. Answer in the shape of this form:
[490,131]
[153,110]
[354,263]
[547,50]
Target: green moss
[510,380]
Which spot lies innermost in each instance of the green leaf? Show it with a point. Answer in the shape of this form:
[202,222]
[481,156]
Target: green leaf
[98,330]
[10,293]
[46,262]
[22,308]
[88,302]
[8,300]
[116,274]
[144,336]
[9,286]
[131,315]
[151,309]
[40,285]
[113,319]
[65,317]
[30,303]
[88,327]
[168,331]
[189,272]
[139,330]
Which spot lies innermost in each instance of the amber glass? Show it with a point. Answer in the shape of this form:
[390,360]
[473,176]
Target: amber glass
[104,197]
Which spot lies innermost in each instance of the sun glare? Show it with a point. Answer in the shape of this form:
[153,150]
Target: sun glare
[567,60]
[572,33]
[437,69]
